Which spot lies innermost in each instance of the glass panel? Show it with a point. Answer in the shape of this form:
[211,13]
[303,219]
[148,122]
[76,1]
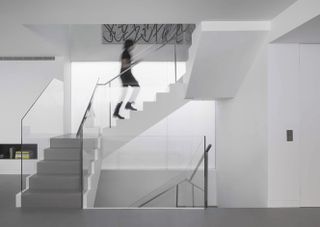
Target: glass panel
[91,147]
[43,121]
[151,171]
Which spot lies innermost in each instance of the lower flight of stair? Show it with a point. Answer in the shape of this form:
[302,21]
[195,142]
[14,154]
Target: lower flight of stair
[57,182]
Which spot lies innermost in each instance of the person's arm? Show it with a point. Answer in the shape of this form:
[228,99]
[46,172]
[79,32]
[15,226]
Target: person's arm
[125,63]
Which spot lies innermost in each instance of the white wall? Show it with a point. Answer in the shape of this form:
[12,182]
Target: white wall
[21,83]
[283,114]
[241,141]
[293,96]
[21,40]
[67,97]
[56,36]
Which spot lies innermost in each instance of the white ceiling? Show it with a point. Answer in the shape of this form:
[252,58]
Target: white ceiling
[24,40]
[306,33]
[138,11]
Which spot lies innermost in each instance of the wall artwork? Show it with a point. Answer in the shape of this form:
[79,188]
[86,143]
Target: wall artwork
[148,33]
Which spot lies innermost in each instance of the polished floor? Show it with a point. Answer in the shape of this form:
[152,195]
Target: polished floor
[215,217]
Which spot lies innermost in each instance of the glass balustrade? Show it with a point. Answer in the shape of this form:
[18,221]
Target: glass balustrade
[41,122]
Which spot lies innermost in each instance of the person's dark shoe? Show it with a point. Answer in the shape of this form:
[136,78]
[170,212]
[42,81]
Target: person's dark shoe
[130,107]
[118,116]
[116,111]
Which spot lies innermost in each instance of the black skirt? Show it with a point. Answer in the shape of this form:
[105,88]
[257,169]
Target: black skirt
[128,79]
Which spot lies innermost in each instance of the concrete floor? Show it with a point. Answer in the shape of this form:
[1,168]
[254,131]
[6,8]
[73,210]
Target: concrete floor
[12,217]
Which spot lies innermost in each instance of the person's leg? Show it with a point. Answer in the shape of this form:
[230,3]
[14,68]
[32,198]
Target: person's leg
[122,98]
[133,97]
[124,93]
[134,94]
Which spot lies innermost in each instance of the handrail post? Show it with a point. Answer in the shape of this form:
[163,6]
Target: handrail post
[175,56]
[21,160]
[110,104]
[193,202]
[177,195]
[205,173]
[81,165]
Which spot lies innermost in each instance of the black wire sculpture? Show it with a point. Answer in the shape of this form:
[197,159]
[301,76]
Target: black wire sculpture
[147,33]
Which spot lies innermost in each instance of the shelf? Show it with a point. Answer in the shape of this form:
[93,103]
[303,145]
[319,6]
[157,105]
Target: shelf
[10,150]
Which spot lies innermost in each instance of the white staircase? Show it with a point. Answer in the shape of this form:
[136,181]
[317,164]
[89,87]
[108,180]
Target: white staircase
[57,181]
[58,178]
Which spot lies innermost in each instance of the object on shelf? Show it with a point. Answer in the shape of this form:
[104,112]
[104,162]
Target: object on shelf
[12,151]
[25,154]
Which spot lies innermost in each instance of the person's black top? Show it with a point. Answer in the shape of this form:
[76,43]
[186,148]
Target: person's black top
[127,78]
[126,55]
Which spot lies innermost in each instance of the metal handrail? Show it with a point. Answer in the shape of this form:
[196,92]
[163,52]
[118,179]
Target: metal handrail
[36,100]
[206,175]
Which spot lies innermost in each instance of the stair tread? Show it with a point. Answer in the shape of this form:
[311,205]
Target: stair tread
[60,161]
[55,175]
[60,174]
[61,148]
[50,191]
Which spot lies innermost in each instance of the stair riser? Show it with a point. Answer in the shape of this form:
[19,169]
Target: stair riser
[48,200]
[73,143]
[54,183]
[61,155]
[58,168]
[64,143]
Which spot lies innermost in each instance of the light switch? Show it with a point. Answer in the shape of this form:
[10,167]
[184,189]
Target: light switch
[289,135]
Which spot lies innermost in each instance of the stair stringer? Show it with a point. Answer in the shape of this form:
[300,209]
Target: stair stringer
[92,180]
